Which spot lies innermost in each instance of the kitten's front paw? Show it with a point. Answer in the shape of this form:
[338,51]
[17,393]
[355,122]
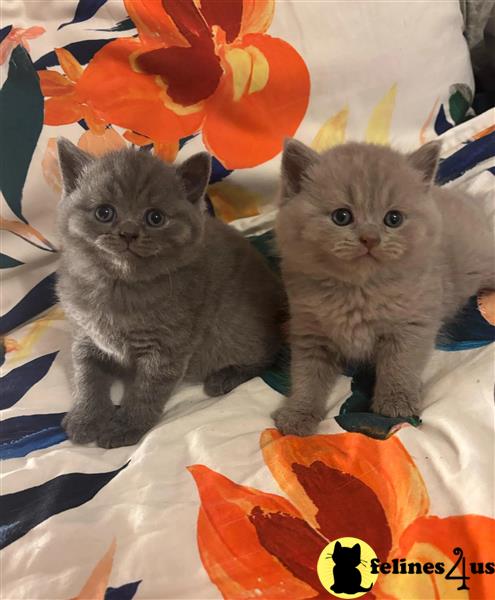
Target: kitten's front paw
[82,428]
[396,404]
[291,421]
[119,433]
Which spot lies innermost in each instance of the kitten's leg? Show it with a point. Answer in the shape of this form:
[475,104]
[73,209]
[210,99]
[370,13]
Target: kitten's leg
[142,405]
[92,379]
[314,368]
[225,380]
[400,360]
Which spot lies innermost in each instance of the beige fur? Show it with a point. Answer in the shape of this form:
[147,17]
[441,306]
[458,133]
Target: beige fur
[384,303]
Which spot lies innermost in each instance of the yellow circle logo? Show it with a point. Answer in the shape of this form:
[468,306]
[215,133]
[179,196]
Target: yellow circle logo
[344,568]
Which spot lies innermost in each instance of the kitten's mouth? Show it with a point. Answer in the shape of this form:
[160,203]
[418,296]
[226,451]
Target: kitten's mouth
[116,249]
[366,254]
[124,252]
[146,253]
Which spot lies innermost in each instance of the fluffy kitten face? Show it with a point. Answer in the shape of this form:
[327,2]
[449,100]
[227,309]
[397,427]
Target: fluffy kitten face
[357,210]
[130,213]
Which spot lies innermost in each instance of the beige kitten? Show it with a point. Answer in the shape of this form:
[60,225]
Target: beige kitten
[375,258]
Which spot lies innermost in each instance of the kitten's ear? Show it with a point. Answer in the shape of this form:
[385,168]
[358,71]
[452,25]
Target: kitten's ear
[195,175]
[337,546]
[357,548]
[72,161]
[425,160]
[296,159]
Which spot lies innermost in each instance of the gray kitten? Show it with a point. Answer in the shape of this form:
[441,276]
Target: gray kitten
[156,291]
[375,258]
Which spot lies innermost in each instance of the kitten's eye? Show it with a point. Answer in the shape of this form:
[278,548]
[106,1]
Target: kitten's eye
[393,218]
[154,217]
[105,213]
[342,217]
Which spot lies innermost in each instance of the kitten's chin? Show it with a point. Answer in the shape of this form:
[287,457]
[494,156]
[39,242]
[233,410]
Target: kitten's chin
[130,267]
[365,258]
[121,263]
[356,270]
[119,266]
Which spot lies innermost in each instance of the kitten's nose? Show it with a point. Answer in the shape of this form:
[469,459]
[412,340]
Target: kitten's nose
[368,240]
[128,236]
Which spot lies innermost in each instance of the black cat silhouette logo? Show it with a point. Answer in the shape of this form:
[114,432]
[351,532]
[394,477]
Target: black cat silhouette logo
[344,568]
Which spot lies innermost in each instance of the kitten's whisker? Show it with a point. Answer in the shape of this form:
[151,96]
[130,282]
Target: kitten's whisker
[169,280]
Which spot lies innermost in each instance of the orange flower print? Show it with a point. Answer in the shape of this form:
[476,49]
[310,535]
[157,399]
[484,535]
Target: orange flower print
[202,64]
[254,544]
[64,102]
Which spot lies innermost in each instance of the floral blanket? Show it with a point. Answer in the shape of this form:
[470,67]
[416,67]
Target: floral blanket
[213,502]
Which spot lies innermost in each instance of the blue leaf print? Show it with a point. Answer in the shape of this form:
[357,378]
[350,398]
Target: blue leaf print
[466,158]
[183,141]
[82,51]
[124,25]
[21,121]
[21,511]
[7,262]
[21,435]
[40,298]
[441,123]
[84,11]
[468,330]
[4,32]
[124,592]
[17,382]
[218,171]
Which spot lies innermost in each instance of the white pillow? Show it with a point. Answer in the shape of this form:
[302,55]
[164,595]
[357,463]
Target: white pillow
[377,70]
[359,53]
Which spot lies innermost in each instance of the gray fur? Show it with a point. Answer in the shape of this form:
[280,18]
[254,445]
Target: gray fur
[386,306]
[153,306]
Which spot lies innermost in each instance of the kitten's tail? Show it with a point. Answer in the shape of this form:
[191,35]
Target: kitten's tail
[362,589]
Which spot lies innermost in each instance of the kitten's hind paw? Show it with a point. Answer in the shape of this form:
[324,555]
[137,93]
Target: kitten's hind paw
[290,421]
[81,428]
[395,404]
[117,439]
[119,433]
